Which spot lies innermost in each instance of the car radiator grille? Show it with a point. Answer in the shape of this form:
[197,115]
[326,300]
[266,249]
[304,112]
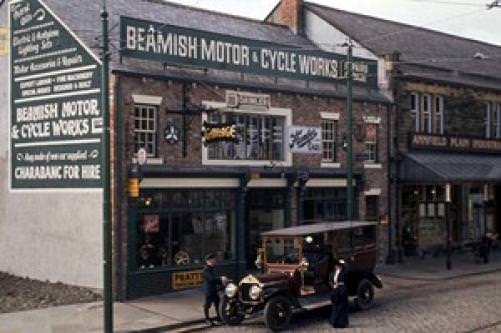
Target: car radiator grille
[244,292]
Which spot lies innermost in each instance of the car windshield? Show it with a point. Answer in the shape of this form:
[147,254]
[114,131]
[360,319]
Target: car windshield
[282,251]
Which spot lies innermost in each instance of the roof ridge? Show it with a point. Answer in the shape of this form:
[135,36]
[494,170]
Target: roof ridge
[238,17]
[408,25]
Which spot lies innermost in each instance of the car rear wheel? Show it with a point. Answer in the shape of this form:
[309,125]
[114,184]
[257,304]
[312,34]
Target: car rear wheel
[365,295]
[230,311]
[277,313]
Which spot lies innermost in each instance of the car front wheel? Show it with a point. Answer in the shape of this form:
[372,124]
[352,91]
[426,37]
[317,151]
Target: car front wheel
[365,295]
[277,313]
[230,311]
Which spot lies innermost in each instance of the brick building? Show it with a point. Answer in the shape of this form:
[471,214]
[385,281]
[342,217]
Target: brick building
[242,125]
[445,128]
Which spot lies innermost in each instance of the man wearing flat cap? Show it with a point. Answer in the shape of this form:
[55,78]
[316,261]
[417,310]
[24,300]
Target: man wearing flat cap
[212,282]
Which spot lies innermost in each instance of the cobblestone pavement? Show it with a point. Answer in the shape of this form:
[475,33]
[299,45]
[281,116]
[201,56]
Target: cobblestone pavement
[470,304]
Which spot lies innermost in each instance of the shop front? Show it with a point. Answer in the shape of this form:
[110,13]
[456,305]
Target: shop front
[425,210]
[180,216]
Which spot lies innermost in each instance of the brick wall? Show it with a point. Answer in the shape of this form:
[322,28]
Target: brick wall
[305,111]
[461,118]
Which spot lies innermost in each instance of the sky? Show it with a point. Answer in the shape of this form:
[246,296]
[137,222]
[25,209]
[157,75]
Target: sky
[467,18]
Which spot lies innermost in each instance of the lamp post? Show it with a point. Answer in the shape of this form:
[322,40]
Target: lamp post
[448,200]
[107,242]
[349,130]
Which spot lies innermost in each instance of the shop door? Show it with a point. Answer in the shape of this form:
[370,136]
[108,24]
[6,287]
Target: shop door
[266,211]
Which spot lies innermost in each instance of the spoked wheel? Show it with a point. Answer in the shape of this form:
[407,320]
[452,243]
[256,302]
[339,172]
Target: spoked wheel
[230,311]
[365,295]
[277,313]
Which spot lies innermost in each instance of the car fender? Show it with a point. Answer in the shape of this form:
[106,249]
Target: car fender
[272,292]
[376,280]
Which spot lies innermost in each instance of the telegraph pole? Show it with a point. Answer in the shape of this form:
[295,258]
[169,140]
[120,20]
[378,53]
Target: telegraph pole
[107,255]
[349,129]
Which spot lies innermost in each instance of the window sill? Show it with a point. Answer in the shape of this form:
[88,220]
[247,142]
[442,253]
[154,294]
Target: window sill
[332,165]
[373,166]
[151,161]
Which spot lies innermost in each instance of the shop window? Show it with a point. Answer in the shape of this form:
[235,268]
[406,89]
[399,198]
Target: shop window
[259,137]
[329,140]
[145,128]
[178,235]
[371,144]
[372,207]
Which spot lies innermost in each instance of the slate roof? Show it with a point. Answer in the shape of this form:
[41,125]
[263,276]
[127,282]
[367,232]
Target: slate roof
[83,17]
[421,166]
[419,47]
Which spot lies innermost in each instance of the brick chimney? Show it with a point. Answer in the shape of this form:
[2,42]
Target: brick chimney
[289,13]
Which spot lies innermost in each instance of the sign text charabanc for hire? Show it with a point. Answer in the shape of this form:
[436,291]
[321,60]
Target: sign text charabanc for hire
[177,45]
[56,120]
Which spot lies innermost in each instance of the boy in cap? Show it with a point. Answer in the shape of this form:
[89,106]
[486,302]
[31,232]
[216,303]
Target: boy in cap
[211,284]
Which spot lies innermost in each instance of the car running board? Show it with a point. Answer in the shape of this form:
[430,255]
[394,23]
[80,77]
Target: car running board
[314,302]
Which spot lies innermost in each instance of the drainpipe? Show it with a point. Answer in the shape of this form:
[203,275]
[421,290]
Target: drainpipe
[390,259]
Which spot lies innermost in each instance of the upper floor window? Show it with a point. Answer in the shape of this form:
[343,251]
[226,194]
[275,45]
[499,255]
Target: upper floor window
[145,128]
[415,111]
[427,113]
[259,137]
[371,143]
[438,115]
[426,119]
[329,129]
[492,120]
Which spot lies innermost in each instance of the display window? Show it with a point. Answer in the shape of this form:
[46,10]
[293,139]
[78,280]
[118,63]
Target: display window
[259,137]
[169,234]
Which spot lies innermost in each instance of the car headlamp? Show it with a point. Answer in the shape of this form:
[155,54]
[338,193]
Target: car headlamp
[255,292]
[231,290]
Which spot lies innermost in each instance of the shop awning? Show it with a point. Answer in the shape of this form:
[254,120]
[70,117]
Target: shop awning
[442,167]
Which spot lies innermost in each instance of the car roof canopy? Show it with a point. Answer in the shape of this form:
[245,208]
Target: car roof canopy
[316,228]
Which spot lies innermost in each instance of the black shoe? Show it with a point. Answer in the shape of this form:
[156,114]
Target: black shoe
[209,322]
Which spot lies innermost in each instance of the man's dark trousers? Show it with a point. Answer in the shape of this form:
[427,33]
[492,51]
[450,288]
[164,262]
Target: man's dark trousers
[211,284]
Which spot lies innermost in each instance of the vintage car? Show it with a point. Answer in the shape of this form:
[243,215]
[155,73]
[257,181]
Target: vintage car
[296,263]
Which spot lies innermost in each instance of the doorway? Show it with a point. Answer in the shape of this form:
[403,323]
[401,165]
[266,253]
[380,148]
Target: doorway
[265,212]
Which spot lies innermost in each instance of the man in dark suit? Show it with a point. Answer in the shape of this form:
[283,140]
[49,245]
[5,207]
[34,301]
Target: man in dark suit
[212,282]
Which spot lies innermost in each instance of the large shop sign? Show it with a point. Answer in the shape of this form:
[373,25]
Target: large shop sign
[305,140]
[455,143]
[177,45]
[56,121]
